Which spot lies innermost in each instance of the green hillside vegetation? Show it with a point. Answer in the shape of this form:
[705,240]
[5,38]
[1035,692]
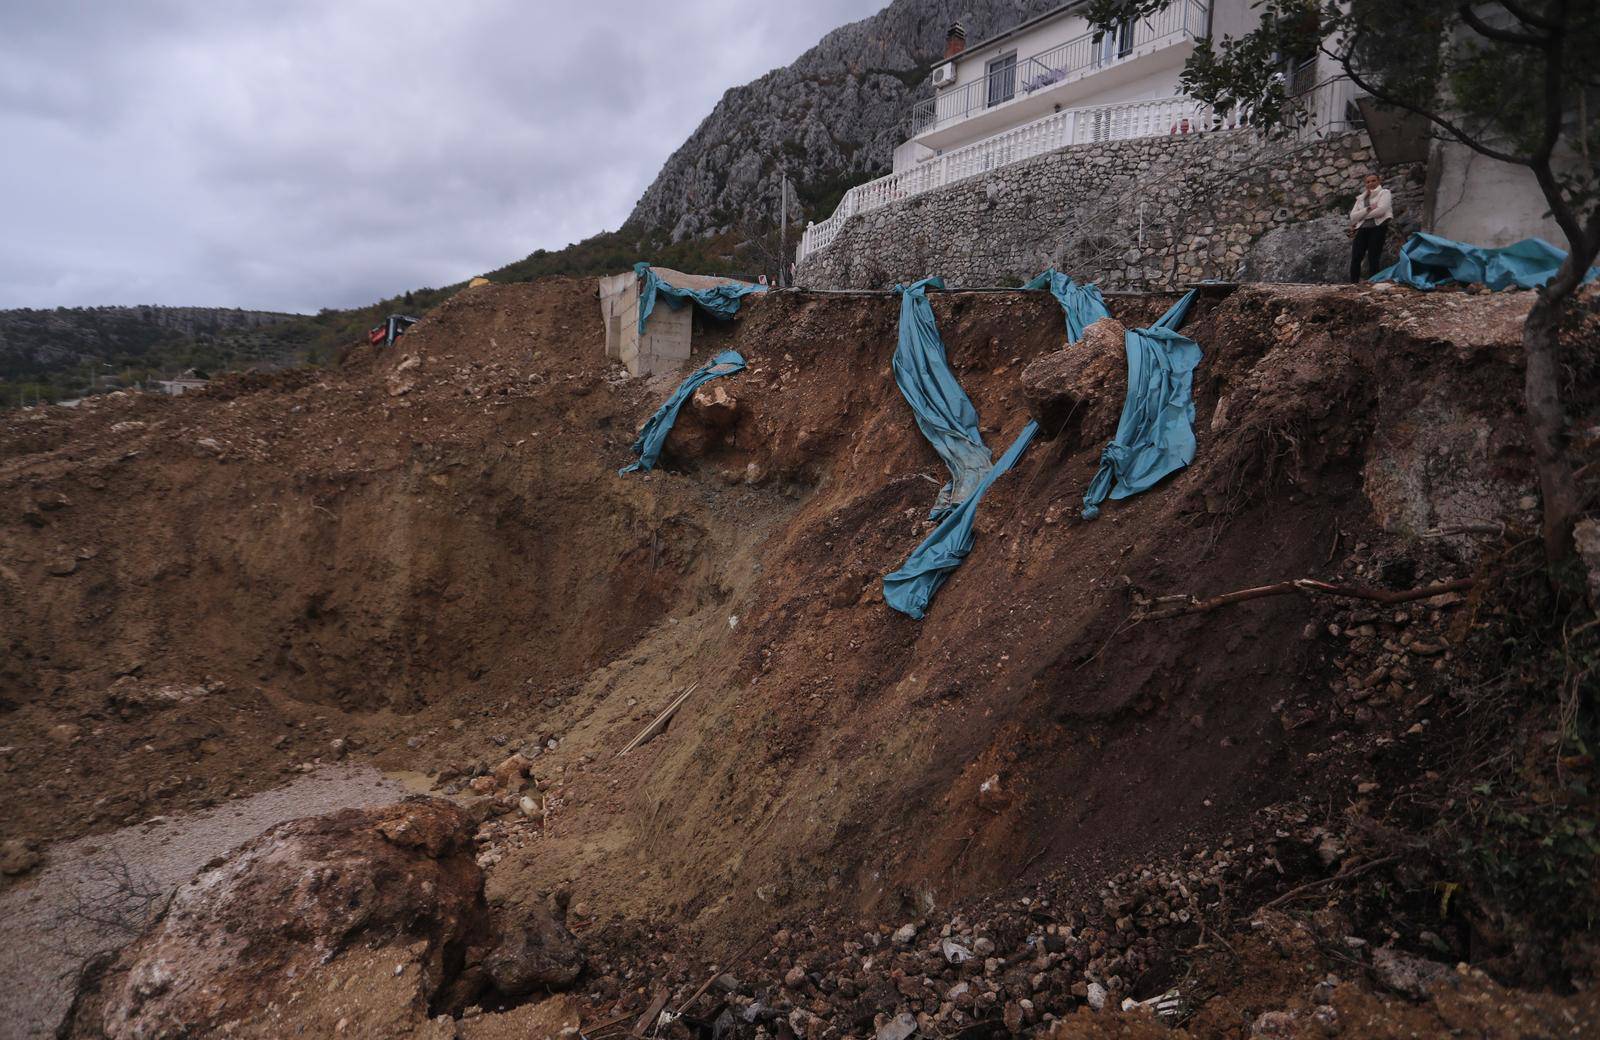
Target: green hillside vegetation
[69,352]
[612,252]
[53,355]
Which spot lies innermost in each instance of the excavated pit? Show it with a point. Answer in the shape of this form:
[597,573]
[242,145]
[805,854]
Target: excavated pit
[426,559]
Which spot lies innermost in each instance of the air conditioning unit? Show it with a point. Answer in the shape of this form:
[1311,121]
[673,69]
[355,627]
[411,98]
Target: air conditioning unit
[944,75]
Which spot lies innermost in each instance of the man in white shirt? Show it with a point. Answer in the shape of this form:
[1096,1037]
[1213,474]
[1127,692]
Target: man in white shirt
[1369,226]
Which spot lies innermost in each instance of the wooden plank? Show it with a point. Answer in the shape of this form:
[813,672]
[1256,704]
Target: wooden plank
[647,1021]
[660,723]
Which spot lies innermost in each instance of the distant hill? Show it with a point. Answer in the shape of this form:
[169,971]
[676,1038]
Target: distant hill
[53,354]
[39,341]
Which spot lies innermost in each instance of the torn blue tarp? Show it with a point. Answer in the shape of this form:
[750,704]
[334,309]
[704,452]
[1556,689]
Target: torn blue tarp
[1155,435]
[1428,261]
[1082,305]
[648,444]
[911,588]
[943,411]
[722,300]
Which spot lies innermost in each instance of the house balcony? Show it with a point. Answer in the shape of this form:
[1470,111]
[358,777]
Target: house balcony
[1060,77]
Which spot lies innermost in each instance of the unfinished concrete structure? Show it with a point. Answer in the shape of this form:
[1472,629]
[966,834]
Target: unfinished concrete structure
[665,344]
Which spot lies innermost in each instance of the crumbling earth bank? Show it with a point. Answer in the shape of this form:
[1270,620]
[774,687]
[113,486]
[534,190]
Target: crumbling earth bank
[425,559]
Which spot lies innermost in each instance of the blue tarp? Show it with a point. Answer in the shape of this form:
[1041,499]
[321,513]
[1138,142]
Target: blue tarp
[1155,435]
[1081,304]
[911,588]
[943,411]
[722,300]
[1428,261]
[654,435]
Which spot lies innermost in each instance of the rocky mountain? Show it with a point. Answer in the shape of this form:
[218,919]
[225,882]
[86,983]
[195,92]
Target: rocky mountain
[833,119]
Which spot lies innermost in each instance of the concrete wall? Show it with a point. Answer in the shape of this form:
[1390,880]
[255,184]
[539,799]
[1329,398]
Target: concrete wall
[1146,213]
[909,154]
[1233,18]
[614,292]
[668,334]
[1476,199]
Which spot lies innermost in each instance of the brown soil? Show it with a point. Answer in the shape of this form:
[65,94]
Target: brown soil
[426,559]
[98,892]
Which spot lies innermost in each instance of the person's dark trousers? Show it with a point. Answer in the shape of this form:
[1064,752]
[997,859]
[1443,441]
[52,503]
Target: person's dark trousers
[1368,243]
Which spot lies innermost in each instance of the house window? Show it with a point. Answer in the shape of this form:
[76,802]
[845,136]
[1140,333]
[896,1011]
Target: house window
[1116,43]
[1002,79]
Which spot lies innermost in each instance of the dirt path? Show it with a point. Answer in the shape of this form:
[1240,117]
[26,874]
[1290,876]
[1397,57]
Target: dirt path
[50,926]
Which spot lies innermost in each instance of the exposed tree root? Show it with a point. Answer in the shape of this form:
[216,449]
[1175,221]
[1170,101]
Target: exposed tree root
[1176,606]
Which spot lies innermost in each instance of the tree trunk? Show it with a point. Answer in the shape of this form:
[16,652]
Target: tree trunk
[1546,421]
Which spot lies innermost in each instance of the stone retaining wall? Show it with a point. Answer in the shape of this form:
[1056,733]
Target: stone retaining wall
[1141,214]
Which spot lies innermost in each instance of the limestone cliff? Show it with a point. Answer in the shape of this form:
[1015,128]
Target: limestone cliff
[833,118]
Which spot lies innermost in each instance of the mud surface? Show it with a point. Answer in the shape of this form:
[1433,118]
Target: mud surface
[94,893]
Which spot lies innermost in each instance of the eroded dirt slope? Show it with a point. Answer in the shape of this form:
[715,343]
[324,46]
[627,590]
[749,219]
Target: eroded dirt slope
[427,558]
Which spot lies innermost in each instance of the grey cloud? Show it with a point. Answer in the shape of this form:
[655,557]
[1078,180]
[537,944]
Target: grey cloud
[296,155]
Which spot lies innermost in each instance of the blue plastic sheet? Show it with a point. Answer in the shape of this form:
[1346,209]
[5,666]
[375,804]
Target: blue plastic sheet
[1155,435]
[722,300]
[943,411]
[648,444]
[911,588]
[1428,261]
[1081,304]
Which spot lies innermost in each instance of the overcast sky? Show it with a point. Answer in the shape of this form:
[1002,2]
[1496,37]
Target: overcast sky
[299,154]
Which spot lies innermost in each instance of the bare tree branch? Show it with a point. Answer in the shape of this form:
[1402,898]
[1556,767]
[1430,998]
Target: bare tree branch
[1525,16]
[1177,606]
[1444,124]
[1484,29]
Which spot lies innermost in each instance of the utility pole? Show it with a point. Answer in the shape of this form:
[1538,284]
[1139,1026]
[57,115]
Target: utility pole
[783,225]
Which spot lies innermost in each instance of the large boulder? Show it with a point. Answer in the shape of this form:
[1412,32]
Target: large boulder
[1441,471]
[706,422]
[1318,250]
[536,952]
[373,919]
[1306,251]
[1076,393]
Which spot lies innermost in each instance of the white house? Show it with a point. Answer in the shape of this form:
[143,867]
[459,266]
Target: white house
[1050,64]
[179,386]
[1048,84]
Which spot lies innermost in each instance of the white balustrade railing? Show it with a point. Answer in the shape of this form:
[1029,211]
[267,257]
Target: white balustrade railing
[1055,131]
[1125,121]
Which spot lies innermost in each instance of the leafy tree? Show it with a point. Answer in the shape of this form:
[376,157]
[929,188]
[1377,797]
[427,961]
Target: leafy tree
[1517,81]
